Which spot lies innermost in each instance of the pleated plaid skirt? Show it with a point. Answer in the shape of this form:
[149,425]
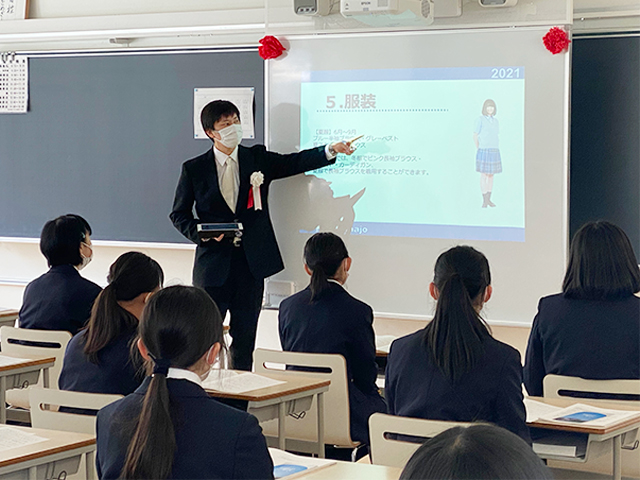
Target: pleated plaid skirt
[488,160]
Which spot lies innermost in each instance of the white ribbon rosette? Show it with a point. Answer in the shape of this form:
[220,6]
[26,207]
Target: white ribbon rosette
[257,179]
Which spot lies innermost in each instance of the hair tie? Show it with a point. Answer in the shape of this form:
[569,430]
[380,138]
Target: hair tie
[160,365]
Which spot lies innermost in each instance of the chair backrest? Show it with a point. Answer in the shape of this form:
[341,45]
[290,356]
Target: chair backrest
[560,386]
[386,444]
[336,400]
[45,414]
[50,343]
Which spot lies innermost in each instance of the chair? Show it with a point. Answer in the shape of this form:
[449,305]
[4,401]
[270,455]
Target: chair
[560,386]
[390,451]
[599,458]
[301,431]
[45,403]
[46,343]
[44,414]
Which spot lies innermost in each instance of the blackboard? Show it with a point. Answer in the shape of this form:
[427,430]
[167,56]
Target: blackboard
[605,133]
[105,136]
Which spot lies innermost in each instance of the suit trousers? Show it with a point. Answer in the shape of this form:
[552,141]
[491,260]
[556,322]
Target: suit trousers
[241,294]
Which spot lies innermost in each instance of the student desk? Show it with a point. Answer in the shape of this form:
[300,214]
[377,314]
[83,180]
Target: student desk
[12,376]
[56,457]
[293,396]
[8,317]
[595,433]
[351,471]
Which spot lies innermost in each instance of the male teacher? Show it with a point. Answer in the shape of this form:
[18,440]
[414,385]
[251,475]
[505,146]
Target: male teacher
[230,183]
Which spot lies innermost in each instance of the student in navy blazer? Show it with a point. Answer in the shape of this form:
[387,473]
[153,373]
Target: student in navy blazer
[592,329]
[219,183]
[169,427]
[61,299]
[453,369]
[324,318]
[100,359]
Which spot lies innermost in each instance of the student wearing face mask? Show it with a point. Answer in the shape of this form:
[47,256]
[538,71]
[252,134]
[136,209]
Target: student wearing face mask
[61,299]
[170,427]
[324,318]
[99,359]
[219,183]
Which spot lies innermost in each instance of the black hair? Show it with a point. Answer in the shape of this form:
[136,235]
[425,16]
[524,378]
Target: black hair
[489,103]
[323,254]
[455,336]
[61,238]
[132,274]
[602,264]
[214,111]
[178,326]
[480,451]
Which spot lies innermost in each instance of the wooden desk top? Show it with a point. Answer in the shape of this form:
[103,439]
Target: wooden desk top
[8,313]
[351,471]
[293,384]
[57,442]
[28,362]
[583,428]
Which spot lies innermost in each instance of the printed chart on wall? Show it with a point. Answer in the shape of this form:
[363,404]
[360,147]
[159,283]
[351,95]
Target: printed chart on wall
[441,153]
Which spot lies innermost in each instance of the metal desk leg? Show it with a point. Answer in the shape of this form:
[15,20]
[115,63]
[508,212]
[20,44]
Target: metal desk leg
[320,406]
[617,457]
[90,460]
[281,418]
[3,400]
[45,377]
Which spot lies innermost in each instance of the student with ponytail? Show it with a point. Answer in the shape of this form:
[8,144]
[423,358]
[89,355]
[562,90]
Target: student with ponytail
[453,369]
[169,427]
[324,318]
[98,359]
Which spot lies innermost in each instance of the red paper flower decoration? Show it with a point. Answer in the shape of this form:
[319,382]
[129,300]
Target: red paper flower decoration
[270,47]
[556,40]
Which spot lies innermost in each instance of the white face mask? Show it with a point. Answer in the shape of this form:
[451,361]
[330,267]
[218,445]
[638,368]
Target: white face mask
[231,136]
[86,260]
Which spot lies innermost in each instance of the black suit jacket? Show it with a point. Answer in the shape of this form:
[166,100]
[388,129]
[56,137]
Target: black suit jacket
[212,440]
[337,323]
[114,373]
[491,392]
[61,299]
[199,183]
[595,339]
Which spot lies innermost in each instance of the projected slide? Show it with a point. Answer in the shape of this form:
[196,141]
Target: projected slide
[442,152]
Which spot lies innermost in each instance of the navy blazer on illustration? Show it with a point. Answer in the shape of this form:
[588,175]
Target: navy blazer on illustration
[594,339]
[114,373]
[213,440]
[199,184]
[491,392]
[60,299]
[337,323]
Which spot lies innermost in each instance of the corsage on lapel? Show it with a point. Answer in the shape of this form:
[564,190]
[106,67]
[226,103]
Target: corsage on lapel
[255,200]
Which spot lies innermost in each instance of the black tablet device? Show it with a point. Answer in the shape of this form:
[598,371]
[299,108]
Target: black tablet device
[212,230]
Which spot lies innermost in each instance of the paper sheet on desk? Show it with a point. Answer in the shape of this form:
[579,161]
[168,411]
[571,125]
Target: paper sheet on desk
[236,382]
[611,417]
[14,438]
[535,409]
[5,361]
[383,342]
[280,458]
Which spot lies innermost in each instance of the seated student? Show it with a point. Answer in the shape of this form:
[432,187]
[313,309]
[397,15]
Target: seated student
[592,329]
[324,318]
[61,299]
[477,452]
[169,427]
[99,358]
[453,369]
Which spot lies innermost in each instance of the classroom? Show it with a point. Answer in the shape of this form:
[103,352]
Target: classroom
[395,218]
